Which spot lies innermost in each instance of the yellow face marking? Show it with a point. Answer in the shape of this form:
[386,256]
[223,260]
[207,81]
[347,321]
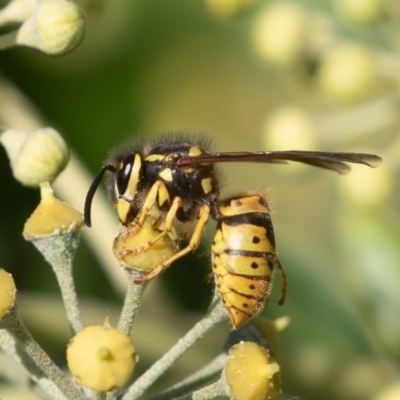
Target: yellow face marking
[206,185]
[195,151]
[123,209]
[133,178]
[155,157]
[166,174]
[163,196]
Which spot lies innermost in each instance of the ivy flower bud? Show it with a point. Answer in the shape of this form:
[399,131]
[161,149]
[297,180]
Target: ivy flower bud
[278,33]
[101,358]
[56,27]
[251,373]
[362,12]
[130,247]
[36,156]
[290,127]
[51,217]
[8,292]
[347,73]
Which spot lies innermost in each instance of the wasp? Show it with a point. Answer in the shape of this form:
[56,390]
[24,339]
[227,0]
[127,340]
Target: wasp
[174,183]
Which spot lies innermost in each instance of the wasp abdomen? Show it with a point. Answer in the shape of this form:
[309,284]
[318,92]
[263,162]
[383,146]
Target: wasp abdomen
[243,256]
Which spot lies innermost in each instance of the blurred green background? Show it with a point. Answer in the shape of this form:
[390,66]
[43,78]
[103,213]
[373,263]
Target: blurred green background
[253,75]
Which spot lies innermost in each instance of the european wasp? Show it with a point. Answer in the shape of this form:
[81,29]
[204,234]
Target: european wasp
[173,183]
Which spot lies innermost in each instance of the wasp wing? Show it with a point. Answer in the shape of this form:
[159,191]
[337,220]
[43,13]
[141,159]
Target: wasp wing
[329,160]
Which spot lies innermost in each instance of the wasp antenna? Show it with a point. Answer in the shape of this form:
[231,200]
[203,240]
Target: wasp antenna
[92,191]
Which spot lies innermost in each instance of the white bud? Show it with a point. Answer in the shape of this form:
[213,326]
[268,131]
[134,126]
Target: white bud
[56,27]
[36,156]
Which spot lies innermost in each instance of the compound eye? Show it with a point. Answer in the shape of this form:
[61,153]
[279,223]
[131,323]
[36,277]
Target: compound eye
[124,173]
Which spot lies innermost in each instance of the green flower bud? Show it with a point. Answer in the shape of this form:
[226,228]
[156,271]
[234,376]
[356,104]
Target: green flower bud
[101,358]
[347,73]
[129,251]
[8,292]
[251,373]
[56,27]
[36,156]
[278,33]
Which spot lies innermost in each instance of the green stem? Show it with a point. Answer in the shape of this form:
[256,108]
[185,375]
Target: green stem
[68,293]
[131,305]
[216,313]
[209,392]
[59,251]
[16,328]
[203,375]
[25,370]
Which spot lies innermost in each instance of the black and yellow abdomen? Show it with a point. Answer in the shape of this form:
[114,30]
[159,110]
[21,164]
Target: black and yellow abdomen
[243,256]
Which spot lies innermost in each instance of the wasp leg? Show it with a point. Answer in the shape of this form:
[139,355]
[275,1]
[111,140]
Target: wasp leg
[169,222]
[284,281]
[158,190]
[204,215]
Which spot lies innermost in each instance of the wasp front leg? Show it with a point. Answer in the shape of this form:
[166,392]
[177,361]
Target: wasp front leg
[204,216]
[168,226]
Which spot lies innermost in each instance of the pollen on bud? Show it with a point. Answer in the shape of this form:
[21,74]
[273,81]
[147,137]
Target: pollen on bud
[101,358]
[51,216]
[130,247]
[56,27]
[36,156]
[251,373]
[8,292]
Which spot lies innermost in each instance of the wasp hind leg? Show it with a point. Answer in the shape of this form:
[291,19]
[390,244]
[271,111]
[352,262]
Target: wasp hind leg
[284,281]
[204,215]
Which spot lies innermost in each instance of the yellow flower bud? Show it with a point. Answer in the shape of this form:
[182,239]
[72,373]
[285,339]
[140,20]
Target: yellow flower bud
[251,373]
[36,156]
[101,358]
[368,188]
[56,27]
[363,12]
[8,292]
[278,33]
[51,217]
[133,238]
[290,128]
[347,73]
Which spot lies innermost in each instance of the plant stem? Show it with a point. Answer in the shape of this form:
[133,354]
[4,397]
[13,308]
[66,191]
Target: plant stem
[209,392]
[216,313]
[131,304]
[16,328]
[203,375]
